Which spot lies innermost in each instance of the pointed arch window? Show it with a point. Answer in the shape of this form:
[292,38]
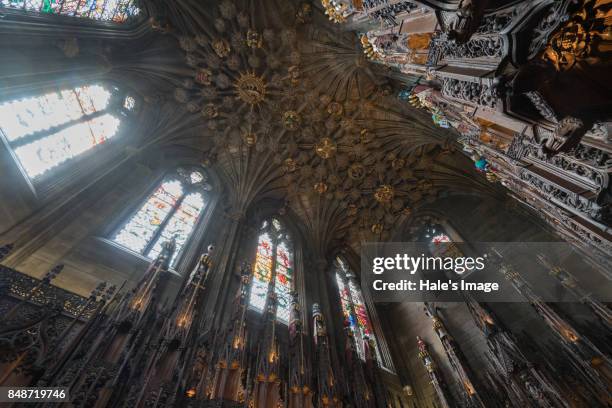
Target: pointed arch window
[114,11]
[273,269]
[172,210]
[49,130]
[354,309]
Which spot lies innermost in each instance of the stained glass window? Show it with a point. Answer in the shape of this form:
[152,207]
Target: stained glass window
[48,130]
[437,239]
[115,11]
[171,211]
[435,234]
[273,263]
[354,309]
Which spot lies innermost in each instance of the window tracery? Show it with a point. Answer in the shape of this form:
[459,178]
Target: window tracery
[171,211]
[273,265]
[115,11]
[354,309]
[48,130]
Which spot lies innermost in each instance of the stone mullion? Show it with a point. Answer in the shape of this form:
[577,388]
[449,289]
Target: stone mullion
[200,233]
[299,285]
[163,225]
[272,282]
[221,286]
[372,313]
[332,311]
[359,343]
[301,289]
[381,342]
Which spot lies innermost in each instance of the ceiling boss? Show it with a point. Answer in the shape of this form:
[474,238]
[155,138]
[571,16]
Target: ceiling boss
[250,88]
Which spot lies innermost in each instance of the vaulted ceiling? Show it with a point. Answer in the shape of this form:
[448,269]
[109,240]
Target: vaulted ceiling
[283,105]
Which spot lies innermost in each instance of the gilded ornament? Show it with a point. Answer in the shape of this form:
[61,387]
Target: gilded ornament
[221,47]
[365,136]
[491,177]
[384,193]
[585,38]
[254,39]
[326,148]
[356,171]
[210,111]
[250,88]
[334,10]
[377,228]
[203,76]
[249,138]
[320,187]
[368,48]
[335,109]
[291,120]
[289,165]
[351,210]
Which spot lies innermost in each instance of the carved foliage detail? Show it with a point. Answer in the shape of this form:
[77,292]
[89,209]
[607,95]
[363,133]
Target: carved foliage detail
[473,92]
[491,47]
[564,198]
